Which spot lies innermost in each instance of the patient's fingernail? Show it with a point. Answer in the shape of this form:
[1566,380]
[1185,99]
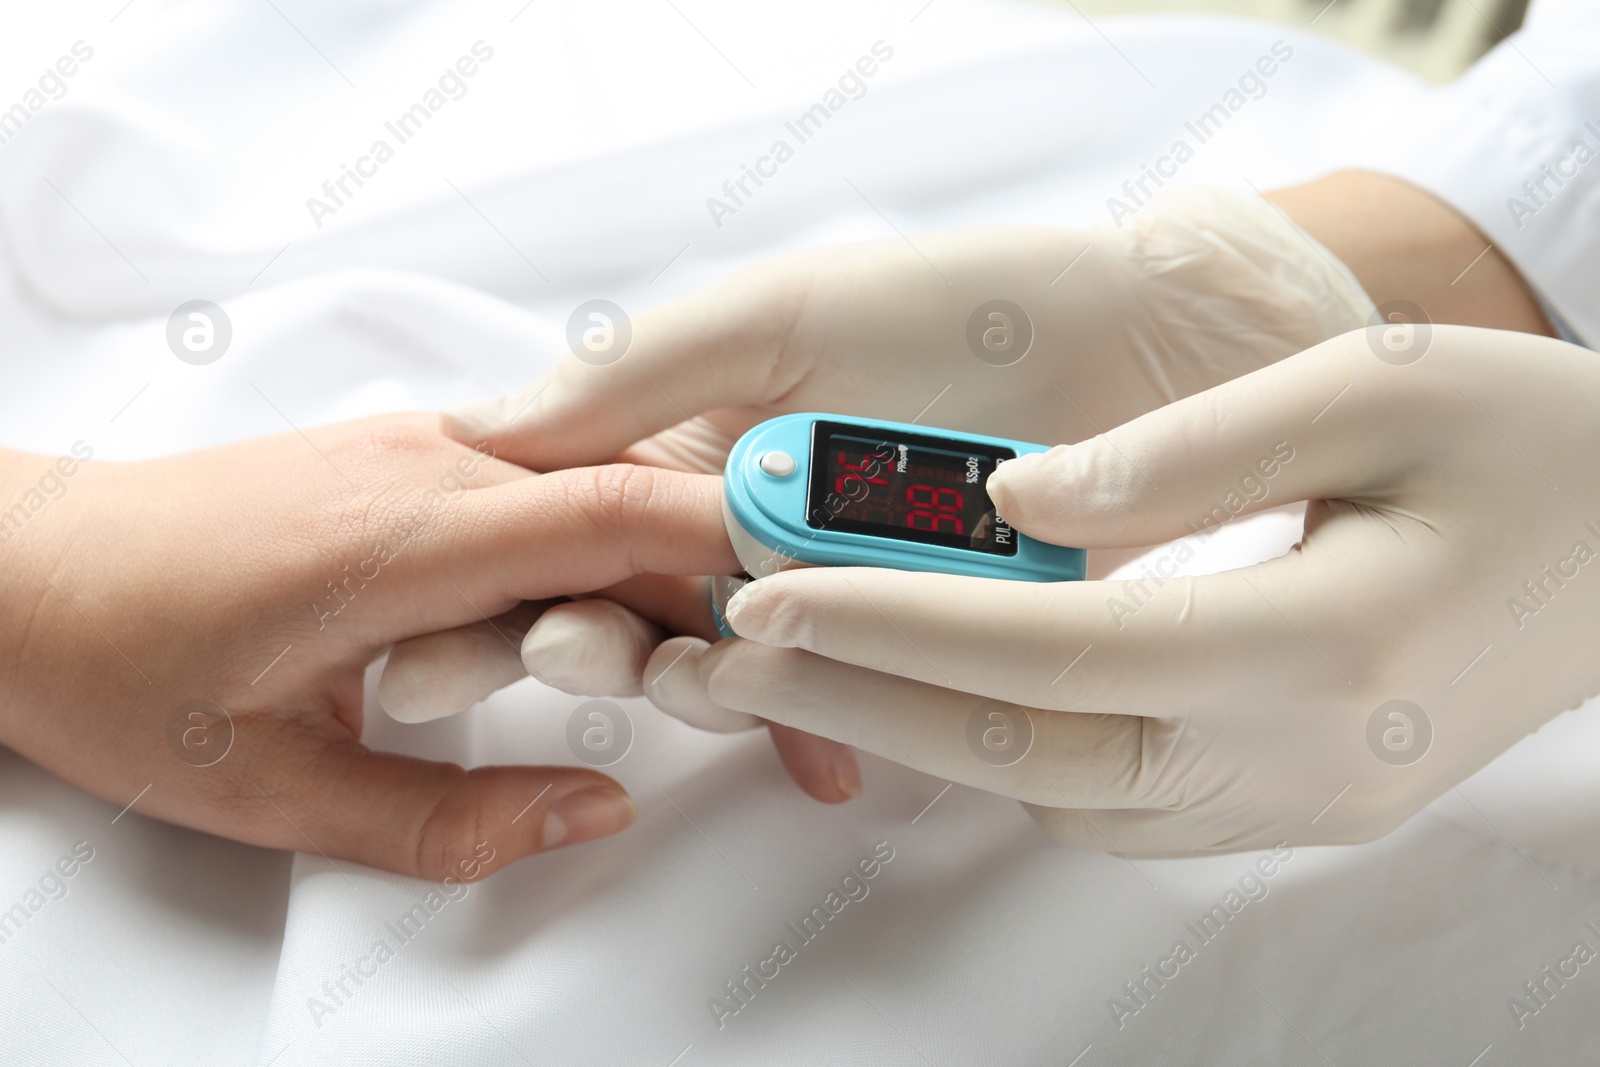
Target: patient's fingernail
[846,770]
[586,815]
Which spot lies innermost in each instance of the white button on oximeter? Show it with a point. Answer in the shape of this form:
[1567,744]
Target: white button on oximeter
[830,491]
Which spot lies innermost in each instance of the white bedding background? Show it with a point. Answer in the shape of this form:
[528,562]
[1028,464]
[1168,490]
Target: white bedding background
[577,165]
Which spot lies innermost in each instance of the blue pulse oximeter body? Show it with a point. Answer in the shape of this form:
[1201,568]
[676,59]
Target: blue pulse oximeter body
[831,491]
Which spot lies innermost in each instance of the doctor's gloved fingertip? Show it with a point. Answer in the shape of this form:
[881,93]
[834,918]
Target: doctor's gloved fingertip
[478,421]
[674,683]
[1013,482]
[467,423]
[586,816]
[761,611]
[589,648]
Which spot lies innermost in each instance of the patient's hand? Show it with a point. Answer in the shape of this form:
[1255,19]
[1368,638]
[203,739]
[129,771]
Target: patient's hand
[262,578]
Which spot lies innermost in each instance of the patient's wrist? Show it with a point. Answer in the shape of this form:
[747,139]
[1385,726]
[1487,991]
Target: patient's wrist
[33,536]
[1404,244]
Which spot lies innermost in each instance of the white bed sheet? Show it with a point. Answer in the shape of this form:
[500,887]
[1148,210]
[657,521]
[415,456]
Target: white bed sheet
[180,159]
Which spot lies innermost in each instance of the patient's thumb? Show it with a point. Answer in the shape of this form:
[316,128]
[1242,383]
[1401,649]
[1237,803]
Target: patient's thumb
[428,820]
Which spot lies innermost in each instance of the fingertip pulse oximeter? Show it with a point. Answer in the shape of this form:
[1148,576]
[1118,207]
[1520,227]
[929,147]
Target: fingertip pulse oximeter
[829,491]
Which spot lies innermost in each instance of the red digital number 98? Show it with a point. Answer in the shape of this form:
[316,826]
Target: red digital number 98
[935,508]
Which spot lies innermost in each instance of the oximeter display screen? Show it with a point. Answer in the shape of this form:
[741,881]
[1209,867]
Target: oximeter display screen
[909,487]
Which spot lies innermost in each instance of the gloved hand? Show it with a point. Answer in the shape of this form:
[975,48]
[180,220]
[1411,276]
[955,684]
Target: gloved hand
[1440,606]
[1105,324]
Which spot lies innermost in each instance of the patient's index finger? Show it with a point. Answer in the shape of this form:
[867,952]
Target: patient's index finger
[582,529]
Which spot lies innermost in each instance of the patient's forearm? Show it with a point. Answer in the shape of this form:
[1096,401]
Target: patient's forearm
[1404,244]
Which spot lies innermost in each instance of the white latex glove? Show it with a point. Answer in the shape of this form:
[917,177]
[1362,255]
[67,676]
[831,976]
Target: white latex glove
[1202,286]
[1449,561]
[584,647]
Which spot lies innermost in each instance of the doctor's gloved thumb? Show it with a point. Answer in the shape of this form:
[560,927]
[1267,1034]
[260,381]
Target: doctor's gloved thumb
[1086,495]
[1247,445]
[1097,495]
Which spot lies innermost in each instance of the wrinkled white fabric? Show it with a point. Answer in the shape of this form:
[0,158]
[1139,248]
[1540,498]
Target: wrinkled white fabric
[979,941]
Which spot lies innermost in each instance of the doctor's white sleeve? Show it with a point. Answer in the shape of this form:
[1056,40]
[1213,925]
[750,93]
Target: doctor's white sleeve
[1514,145]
